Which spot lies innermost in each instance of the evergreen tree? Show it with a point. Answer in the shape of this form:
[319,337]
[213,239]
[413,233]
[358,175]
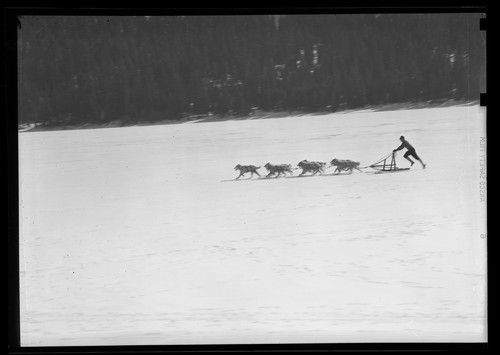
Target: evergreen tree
[78,69]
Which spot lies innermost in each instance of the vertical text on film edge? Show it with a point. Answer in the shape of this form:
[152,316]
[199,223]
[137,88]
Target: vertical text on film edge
[482,169]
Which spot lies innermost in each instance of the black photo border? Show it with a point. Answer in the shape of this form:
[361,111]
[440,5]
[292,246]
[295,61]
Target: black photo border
[11,24]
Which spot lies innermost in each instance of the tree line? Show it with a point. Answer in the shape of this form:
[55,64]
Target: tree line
[98,69]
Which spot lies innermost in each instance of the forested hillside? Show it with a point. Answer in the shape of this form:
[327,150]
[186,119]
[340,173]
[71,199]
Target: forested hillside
[96,69]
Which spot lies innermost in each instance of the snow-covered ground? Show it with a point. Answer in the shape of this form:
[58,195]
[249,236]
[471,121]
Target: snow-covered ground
[138,235]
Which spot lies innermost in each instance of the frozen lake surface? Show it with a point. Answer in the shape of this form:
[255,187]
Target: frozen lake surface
[137,235]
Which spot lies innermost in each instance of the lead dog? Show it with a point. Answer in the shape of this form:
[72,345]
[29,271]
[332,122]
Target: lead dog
[345,165]
[313,166]
[278,169]
[247,169]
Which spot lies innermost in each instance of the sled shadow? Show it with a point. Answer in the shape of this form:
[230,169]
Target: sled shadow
[284,178]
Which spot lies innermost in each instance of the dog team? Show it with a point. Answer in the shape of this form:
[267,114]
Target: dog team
[318,167]
[307,166]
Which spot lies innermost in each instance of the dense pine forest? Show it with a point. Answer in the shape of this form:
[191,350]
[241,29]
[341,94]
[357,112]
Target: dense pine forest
[97,69]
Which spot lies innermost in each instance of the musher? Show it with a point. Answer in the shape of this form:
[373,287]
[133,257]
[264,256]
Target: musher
[410,152]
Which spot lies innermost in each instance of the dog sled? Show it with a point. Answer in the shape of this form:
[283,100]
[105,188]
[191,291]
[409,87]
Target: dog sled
[387,164]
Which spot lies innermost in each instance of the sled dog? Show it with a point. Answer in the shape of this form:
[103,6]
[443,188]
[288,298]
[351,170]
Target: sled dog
[247,169]
[345,165]
[278,169]
[312,166]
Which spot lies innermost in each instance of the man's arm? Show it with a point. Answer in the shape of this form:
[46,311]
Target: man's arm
[400,147]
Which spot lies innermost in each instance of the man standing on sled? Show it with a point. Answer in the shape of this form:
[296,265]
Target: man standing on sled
[410,152]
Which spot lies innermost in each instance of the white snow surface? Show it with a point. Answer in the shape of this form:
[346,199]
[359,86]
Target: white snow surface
[139,235]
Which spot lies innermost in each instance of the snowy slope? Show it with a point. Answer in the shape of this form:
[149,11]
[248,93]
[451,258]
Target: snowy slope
[138,235]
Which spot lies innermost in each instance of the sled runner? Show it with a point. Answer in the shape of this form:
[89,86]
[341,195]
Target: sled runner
[387,164]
